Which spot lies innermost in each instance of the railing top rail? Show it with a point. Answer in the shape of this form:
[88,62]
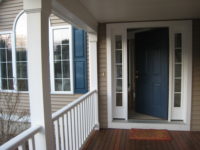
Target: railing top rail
[21,138]
[60,112]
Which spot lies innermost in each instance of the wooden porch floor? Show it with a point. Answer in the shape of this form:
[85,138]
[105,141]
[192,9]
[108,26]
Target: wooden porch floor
[117,139]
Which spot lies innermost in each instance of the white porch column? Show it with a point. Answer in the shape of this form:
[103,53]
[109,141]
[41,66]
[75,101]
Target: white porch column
[93,72]
[38,12]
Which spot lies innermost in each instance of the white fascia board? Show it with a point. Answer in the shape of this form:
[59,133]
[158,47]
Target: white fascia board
[75,13]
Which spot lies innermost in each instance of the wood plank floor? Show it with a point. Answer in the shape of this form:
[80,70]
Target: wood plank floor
[117,139]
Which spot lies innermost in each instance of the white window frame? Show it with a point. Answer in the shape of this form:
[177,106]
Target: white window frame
[51,59]
[186,80]
[13,62]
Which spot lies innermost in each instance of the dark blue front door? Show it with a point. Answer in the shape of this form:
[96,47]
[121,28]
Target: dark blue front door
[152,56]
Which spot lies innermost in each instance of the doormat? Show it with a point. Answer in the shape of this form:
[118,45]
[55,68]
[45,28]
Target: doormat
[149,134]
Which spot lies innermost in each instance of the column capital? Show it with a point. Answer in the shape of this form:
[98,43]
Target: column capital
[92,37]
[37,6]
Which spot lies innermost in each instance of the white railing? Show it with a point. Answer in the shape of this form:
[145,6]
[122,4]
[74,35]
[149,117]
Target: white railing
[72,126]
[74,123]
[24,141]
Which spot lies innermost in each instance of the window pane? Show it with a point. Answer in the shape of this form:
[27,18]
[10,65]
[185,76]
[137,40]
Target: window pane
[3,55]
[177,100]
[21,70]
[9,55]
[118,56]
[21,32]
[66,69]
[178,40]
[2,42]
[177,85]
[118,99]
[178,57]
[119,85]
[178,70]
[10,84]
[66,85]
[57,69]
[118,42]
[57,52]
[10,72]
[58,84]
[21,54]
[65,52]
[119,71]
[65,41]
[4,84]
[61,59]
[61,36]
[22,85]
[3,70]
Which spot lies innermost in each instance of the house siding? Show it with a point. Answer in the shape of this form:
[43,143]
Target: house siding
[8,12]
[195,115]
[9,9]
[102,75]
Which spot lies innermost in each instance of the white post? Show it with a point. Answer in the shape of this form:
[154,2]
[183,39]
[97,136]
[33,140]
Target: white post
[38,12]
[94,72]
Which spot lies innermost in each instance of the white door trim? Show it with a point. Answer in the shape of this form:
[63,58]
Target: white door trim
[187,71]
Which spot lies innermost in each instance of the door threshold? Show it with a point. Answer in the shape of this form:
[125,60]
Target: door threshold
[149,124]
[149,121]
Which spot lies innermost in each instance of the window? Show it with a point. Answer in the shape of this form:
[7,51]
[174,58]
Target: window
[62,59]
[178,70]
[13,58]
[6,67]
[21,53]
[118,69]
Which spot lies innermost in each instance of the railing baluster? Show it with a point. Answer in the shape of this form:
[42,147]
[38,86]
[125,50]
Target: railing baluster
[66,131]
[22,147]
[89,114]
[56,126]
[31,143]
[75,133]
[87,104]
[70,130]
[94,98]
[62,138]
[72,126]
[82,122]
[78,126]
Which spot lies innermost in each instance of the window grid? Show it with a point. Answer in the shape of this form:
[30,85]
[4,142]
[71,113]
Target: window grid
[118,70]
[178,70]
[64,60]
[5,40]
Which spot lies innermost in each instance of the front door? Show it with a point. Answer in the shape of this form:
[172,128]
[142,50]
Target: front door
[152,56]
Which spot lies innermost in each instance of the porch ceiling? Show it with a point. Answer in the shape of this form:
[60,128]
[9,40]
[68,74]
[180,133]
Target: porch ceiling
[141,10]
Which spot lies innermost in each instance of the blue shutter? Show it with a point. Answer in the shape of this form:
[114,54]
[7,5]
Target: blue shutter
[80,61]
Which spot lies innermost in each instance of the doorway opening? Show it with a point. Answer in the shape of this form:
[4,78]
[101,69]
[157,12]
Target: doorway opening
[148,73]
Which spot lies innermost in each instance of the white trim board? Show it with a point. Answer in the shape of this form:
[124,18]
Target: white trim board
[184,27]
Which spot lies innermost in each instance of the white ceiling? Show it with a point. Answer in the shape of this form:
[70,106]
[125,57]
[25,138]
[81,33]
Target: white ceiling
[141,10]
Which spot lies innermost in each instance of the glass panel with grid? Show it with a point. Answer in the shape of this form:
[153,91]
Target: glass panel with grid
[6,62]
[61,59]
[118,70]
[178,69]
[21,53]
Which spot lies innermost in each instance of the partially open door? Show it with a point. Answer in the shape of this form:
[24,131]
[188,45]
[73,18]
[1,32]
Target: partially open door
[152,60]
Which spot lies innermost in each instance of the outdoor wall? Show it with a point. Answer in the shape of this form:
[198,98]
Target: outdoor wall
[9,9]
[195,115]
[195,122]
[8,12]
[102,75]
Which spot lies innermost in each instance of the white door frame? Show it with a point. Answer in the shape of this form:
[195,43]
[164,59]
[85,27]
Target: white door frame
[186,28]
